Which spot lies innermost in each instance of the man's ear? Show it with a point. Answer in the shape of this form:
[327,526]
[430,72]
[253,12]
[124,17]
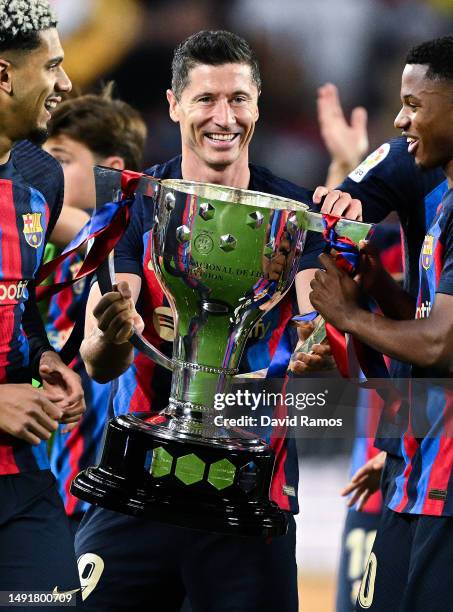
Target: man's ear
[257,114]
[173,106]
[113,161]
[5,76]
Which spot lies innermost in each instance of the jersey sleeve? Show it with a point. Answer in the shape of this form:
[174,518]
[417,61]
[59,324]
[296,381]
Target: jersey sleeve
[446,279]
[387,180]
[313,247]
[33,327]
[129,250]
[57,204]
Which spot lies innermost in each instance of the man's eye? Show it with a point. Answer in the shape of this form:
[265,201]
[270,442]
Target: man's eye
[240,99]
[204,99]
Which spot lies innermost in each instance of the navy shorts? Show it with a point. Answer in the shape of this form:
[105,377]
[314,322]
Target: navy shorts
[356,543]
[136,563]
[36,544]
[409,569]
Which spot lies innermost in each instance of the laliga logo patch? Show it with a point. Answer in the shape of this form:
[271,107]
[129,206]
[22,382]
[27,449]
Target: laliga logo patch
[427,251]
[33,231]
[370,162]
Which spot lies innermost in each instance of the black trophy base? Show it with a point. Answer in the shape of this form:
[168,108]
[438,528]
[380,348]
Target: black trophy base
[221,487]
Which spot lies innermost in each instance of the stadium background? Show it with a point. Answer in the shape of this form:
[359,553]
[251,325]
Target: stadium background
[357,44]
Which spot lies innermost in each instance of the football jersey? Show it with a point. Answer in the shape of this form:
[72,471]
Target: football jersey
[145,386]
[31,192]
[387,239]
[387,181]
[74,451]
[425,484]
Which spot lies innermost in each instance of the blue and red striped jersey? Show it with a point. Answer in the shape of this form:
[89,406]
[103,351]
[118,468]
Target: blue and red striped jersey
[387,181]
[78,449]
[387,239]
[31,189]
[145,386]
[425,483]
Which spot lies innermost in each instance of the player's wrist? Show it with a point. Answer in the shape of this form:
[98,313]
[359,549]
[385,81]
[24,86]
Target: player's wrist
[355,320]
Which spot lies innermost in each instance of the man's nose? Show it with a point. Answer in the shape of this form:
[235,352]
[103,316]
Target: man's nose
[224,115]
[64,82]
[402,121]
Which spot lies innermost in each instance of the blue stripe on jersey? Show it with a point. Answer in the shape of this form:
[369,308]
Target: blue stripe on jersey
[123,392]
[429,449]
[432,201]
[146,244]
[40,455]
[359,453]
[23,347]
[38,205]
[399,480]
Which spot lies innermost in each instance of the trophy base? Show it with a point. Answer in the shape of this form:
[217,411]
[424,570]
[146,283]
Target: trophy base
[219,486]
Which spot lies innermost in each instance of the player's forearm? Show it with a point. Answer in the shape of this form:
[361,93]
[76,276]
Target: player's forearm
[104,360]
[416,341]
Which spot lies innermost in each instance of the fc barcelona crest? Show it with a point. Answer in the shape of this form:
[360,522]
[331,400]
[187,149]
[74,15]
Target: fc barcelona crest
[33,231]
[427,251]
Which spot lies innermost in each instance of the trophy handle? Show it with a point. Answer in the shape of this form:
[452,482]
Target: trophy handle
[108,189]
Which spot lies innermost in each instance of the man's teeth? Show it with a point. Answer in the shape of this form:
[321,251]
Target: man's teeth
[51,105]
[227,137]
[411,140]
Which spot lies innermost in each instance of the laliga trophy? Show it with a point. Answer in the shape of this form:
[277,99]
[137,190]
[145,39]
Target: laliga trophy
[224,257]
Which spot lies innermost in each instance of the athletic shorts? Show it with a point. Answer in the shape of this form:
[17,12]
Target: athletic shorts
[410,566]
[36,544]
[139,564]
[356,543]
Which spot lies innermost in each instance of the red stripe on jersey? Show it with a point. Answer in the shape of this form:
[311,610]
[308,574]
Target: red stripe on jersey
[278,444]
[438,260]
[75,447]
[285,313]
[144,394]
[439,477]
[11,266]
[7,461]
[392,259]
[153,297]
[11,255]
[65,300]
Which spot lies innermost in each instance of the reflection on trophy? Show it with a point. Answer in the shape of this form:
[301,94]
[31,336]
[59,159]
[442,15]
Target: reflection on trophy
[224,257]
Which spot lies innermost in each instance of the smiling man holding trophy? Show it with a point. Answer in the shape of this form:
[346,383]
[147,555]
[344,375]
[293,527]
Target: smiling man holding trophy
[227,240]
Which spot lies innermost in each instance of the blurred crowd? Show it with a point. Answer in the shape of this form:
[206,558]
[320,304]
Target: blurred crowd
[357,44]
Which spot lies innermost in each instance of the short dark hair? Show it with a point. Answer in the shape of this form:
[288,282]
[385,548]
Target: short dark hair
[214,48]
[21,22]
[437,54]
[104,125]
